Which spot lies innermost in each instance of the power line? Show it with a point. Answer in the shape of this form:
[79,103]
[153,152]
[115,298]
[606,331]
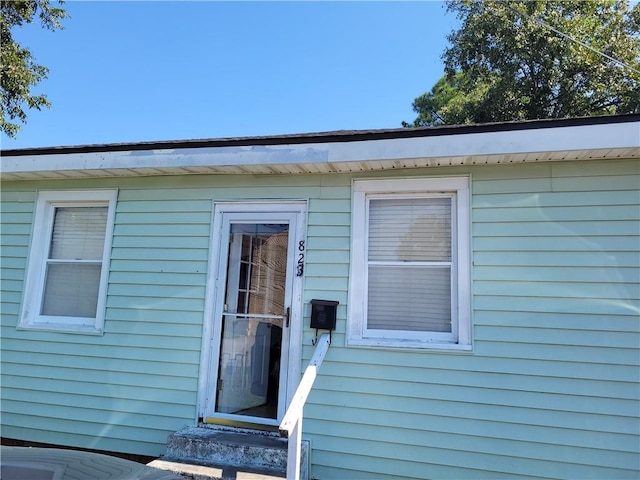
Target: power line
[569,37]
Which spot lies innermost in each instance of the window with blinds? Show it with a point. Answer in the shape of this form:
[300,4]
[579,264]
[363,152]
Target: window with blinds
[66,277]
[409,264]
[73,269]
[409,283]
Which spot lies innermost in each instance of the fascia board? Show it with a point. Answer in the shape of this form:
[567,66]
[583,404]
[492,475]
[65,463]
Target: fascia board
[516,142]
[176,158]
[562,139]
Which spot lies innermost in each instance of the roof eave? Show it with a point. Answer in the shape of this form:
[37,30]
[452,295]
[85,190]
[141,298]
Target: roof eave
[522,142]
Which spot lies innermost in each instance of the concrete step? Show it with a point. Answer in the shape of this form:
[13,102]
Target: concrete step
[200,453]
[192,471]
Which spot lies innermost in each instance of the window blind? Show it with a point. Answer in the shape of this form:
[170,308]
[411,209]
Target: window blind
[78,233]
[71,290]
[72,280]
[409,264]
[411,229]
[410,298]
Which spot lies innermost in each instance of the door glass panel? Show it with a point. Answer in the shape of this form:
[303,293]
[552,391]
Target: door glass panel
[252,322]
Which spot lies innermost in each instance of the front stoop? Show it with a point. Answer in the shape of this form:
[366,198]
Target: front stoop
[199,453]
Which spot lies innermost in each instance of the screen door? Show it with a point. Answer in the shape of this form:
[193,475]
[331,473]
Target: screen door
[257,256]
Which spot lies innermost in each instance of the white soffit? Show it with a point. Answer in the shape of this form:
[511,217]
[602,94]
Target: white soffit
[561,143]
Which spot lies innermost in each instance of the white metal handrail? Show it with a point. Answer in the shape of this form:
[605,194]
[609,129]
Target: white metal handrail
[291,425]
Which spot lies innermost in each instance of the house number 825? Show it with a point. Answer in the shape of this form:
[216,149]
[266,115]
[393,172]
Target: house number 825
[300,265]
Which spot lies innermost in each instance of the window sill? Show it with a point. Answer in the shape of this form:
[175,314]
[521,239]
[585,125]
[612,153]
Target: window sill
[61,328]
[408,345]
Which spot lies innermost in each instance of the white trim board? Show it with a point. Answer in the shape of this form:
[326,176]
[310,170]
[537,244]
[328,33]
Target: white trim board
[615,140]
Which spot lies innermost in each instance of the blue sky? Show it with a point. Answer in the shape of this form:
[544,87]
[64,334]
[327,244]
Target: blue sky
[167,70]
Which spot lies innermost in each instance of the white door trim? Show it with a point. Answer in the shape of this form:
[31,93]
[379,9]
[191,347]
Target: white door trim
[209,348]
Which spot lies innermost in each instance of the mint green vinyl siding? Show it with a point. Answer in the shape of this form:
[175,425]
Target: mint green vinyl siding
[127,389]
[17,209]
[550,389]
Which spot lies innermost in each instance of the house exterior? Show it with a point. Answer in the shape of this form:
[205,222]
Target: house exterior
[488,280]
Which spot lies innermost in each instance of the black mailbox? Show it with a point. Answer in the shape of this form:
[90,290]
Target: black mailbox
[323,314]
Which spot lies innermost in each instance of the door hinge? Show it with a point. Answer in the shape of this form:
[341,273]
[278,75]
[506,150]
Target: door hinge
[219,384]
[287,315]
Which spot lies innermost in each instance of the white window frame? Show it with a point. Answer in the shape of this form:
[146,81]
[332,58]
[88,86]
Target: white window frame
[363,190]
[46,205]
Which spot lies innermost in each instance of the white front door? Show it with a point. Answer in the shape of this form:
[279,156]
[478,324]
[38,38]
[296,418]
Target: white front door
[254,350]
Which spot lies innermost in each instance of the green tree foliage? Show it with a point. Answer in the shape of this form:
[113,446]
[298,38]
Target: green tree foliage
[18,70]
[529,59]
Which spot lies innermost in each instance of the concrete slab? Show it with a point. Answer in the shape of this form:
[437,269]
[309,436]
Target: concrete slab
[228,447]
[236,450]
[190,471]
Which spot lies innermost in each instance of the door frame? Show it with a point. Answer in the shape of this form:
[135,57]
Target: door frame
[265,212]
